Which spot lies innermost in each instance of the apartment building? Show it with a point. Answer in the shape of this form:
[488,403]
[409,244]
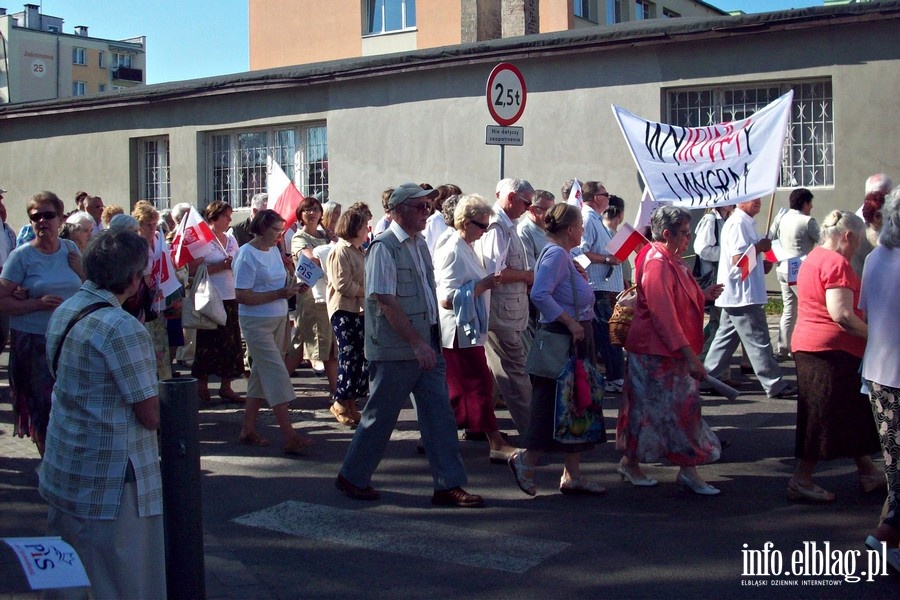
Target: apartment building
[296,32]
[39,61]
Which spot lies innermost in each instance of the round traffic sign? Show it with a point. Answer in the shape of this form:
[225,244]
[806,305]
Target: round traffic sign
[506,94]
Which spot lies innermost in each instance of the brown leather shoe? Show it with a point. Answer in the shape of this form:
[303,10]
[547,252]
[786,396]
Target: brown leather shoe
[357,493]
[456,497]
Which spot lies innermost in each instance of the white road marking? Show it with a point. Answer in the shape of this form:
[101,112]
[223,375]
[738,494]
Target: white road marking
[361,529]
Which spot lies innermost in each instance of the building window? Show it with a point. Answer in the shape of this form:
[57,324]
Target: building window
[643,10]
[808,155]
[101,87]
[383,16]
[613,12]
[121,60]
[101,60]
[52,28]
[153,174]
[238,161]
[668,13]
[586,9]
[78,56]
[78,88]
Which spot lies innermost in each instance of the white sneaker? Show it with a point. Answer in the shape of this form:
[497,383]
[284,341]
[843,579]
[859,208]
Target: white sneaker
[614,386]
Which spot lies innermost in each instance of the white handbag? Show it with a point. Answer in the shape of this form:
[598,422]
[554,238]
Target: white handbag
[207,300]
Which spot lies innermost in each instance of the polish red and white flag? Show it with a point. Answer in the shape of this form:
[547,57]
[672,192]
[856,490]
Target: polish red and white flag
[163,273]
[284,197]
[575,194]
[193,239]
[626,241]
[745,264]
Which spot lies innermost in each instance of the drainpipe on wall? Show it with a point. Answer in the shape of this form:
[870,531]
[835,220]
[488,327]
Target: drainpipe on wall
[6,71]
[58,61]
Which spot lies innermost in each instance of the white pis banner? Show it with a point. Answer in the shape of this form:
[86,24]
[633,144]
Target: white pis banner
[717,165]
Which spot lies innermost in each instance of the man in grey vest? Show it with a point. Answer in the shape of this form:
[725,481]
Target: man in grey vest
[403,345]
[501,251]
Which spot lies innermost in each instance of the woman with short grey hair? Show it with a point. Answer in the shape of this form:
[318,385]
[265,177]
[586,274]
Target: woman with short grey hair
[834,420]
[78,227]
[881,364]
[660,419]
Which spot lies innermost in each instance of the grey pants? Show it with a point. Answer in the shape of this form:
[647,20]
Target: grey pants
[745,324]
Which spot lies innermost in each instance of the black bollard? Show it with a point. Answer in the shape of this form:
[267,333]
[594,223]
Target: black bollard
[183,510]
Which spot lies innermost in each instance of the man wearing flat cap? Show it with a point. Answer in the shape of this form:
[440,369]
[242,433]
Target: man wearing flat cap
[403,346]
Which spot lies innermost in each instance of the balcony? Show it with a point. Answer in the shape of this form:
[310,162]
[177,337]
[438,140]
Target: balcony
[128,74]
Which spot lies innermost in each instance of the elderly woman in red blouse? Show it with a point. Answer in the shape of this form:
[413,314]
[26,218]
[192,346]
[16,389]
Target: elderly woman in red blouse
[834,420]
[659,419]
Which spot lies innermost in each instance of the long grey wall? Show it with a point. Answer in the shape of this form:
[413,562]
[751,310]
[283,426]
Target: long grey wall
[428,124]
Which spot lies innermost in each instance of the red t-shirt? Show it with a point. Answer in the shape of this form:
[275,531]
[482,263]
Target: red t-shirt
[816,332]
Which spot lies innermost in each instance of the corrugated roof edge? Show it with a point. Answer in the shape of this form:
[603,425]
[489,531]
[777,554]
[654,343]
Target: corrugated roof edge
[578,40]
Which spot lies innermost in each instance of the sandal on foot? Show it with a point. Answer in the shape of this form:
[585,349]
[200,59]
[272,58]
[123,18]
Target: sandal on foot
[343,414]
[253,439]
[812,493]
[524,475]
[581,486]
[870,483]
[298,445]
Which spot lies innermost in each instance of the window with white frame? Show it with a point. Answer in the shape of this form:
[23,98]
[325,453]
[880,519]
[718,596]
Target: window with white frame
[643,10]
[586,9]
[121,60]
[153,171]
[668,13]
[613,12]
[101,60]
[808,155]
[78,88]
[384,16]
[101,87]
[238,160]
[78,56]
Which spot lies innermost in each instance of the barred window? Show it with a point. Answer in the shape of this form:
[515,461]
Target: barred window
[153,173]
[238,161]
[808,154]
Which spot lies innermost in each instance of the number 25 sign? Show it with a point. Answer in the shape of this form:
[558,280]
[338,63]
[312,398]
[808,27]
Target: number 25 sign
[506,94]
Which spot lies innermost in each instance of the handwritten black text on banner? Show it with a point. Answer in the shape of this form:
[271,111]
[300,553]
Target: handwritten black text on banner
[717,165]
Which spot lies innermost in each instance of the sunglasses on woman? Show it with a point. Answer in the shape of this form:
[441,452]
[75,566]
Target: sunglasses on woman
[46,215]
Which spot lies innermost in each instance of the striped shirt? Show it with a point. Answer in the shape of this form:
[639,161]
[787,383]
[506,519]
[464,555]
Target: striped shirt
[594,239]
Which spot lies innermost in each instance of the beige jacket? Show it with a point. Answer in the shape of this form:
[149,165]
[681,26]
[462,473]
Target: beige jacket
[345,269]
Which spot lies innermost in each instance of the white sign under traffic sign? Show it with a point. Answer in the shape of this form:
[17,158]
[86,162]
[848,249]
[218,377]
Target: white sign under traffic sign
[497,135]
[506,94]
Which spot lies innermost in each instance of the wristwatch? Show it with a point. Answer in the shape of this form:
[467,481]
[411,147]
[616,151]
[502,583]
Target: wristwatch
[606,259]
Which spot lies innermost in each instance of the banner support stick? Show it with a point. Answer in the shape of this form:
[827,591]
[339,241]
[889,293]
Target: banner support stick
[769,218]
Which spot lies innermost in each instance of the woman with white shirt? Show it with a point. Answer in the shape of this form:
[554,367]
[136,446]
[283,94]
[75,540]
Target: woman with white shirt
[463,290]
[218,351]
[262,287]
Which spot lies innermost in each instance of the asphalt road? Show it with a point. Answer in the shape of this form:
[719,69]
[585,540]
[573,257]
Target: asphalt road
[276,527]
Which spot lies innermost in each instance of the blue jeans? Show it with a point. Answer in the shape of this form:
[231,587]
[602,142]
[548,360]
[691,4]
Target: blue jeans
[390,384]
[612,356]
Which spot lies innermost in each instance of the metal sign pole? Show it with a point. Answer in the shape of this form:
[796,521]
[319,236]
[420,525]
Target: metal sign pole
[502,160]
